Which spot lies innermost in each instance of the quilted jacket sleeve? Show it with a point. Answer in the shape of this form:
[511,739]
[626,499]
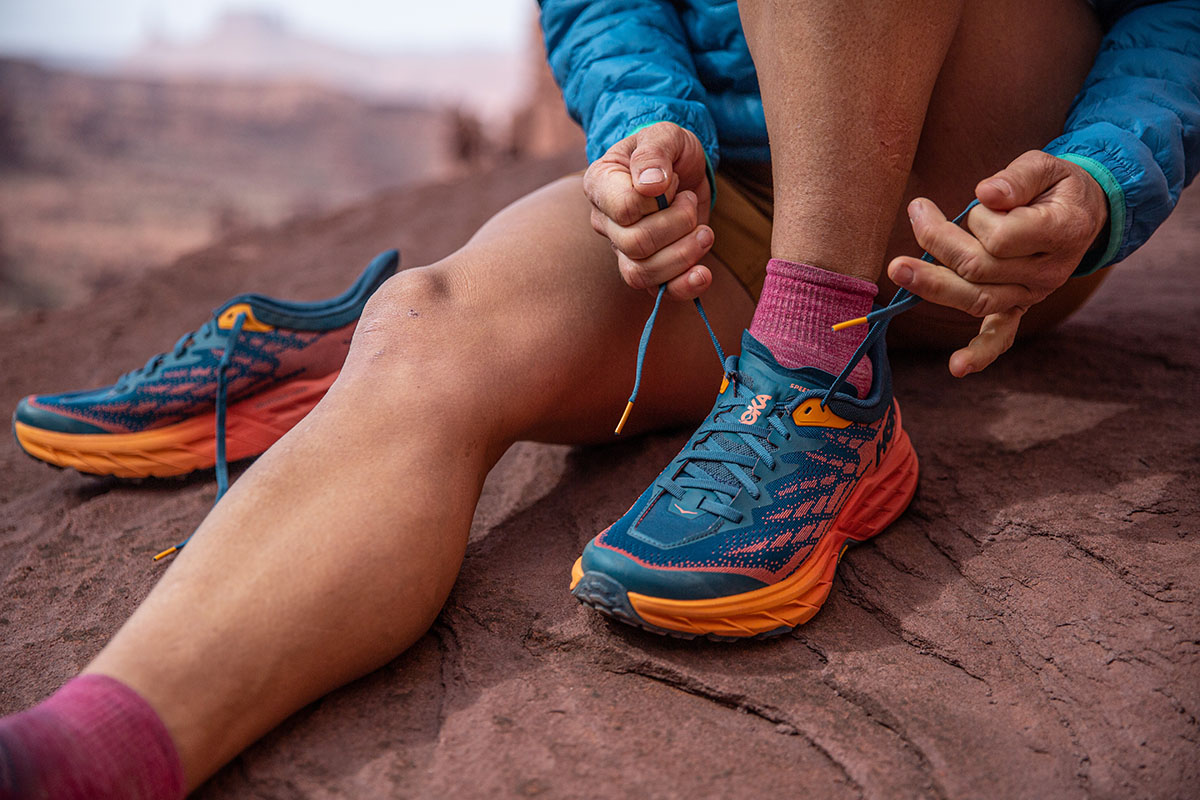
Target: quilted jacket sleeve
[1135,125]
[624,64]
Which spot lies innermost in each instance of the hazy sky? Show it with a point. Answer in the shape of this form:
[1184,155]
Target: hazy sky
[107,28]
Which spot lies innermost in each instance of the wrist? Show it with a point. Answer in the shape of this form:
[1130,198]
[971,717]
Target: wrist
[1112,232]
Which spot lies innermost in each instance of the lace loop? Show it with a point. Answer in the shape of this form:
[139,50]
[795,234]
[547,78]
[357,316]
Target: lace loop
[645,341]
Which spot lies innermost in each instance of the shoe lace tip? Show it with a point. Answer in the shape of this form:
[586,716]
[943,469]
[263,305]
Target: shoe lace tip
[167,552]
[624,417]
[850,323]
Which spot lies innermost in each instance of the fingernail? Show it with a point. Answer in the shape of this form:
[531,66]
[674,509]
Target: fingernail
[914,210]
[696,279]
[968,369]
[904,275]
[652,175]
[704,237]
[1001,186]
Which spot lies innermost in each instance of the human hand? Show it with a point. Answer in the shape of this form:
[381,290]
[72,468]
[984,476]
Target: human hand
[1035,220]
[652,246]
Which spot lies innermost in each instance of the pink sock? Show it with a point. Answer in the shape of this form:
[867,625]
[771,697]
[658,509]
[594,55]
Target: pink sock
[798,305]
[93,738]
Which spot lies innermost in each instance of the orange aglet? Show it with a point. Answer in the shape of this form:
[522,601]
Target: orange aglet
[625,416]
[850,323]
[166,553]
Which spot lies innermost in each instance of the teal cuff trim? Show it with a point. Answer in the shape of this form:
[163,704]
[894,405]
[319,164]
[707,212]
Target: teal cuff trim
[708,165]
[712,181]
[1116,211]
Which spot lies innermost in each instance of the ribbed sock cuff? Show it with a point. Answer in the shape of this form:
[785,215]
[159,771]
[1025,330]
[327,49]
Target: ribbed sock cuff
[93,738]
[797,309]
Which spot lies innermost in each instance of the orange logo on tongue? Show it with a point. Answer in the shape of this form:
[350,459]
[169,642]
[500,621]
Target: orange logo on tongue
[752,412]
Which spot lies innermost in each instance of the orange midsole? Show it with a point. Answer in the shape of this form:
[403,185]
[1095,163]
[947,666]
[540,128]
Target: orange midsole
[809,575]
[251,424]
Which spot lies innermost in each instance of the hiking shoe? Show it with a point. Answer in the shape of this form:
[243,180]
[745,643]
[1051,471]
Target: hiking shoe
[740,534]
[254,370]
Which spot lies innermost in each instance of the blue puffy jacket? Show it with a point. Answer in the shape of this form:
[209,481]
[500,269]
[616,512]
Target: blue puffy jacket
[1135,125]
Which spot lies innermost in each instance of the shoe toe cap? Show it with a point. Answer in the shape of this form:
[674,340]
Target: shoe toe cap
[35,412]
[674,583]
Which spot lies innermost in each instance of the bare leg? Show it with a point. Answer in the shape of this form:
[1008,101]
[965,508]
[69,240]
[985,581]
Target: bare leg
[903,101]
[844,87]
[336,550]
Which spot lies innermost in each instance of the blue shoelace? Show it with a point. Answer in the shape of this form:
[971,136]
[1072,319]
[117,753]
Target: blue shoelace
[178,351]
[712,447]
[222,465]
[715,437]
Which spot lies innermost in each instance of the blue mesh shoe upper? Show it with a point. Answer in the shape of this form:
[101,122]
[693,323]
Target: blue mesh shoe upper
[751,493]
[292,340]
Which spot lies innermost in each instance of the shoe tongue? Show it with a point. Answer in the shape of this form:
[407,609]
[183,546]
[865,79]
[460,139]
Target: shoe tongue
[770,384]
[762,374]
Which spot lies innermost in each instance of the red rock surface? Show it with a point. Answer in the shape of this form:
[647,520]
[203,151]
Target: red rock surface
[1028,629]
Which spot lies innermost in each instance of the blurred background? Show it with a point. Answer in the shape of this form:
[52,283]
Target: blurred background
[133,131]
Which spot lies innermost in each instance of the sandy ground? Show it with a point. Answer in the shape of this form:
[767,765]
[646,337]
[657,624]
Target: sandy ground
[1028,629]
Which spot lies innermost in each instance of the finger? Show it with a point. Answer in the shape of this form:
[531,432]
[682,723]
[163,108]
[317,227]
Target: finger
[610,189]
[996,336]
[948,243]
[653,158]
[1021,181]
[655,231]
[944,286]
[1023,231]
[669,262]
[651,162]
[692,283]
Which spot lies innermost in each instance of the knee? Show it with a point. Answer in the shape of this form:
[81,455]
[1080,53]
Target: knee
[416,320]
[406,302]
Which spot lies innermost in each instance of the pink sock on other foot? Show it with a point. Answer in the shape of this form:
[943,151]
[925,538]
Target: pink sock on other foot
[799,305]
[94,738]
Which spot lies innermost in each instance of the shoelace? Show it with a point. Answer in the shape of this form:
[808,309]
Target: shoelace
[714,446]
[178,351]
[222,465]
[710,448]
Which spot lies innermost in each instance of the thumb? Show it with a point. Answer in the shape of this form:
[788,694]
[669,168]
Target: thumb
[1021,181]
[651,161]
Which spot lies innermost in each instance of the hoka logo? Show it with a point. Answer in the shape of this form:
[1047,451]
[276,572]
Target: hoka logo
[885,440]
[752,412]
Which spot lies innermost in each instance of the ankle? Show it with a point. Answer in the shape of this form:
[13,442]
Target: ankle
[799,305]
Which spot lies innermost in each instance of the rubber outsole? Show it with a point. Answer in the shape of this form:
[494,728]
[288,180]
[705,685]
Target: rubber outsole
[251,426]
[880,497]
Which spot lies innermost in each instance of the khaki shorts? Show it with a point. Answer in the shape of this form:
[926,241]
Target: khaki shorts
[741,223]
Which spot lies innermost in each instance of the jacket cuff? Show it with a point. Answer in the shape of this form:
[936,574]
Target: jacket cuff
[1095,259]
